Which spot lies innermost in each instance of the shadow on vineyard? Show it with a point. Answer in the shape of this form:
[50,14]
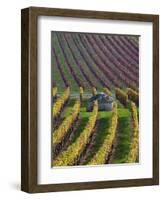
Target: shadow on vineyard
[102,132]
[124,136]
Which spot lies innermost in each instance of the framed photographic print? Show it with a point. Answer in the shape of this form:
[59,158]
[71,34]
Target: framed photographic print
[90,99]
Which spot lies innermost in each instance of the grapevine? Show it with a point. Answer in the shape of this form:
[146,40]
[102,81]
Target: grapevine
[101,155]
[67,123]
[81,91]
[133,154]
[60,102]
[69,156]
[133,95]
[121,96]
[107,91]
[54,91]
[94,91]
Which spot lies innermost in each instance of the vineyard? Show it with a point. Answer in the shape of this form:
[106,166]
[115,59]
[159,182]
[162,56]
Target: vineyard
[92,69]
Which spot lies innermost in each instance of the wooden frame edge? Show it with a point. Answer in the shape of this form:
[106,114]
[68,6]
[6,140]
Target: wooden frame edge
[24,99]
[29,99]
[156,99]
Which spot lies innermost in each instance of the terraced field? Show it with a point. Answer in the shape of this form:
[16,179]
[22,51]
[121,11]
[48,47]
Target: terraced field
[83,66]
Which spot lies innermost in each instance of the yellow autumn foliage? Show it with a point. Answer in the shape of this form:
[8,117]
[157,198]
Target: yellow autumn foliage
[68,157]
[101,154]
[60,102]
[67,123]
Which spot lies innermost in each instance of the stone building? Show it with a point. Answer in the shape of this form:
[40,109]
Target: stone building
[105,102]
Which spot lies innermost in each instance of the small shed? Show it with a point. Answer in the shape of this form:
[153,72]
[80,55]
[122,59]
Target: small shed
[105,102]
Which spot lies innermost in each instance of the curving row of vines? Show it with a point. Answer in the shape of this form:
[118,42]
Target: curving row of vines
[70,156]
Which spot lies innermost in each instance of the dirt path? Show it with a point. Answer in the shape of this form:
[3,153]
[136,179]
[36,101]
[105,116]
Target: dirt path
[72,134]
[89,146]
[59,119]
[66,140]
[118,143]
[111,155]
